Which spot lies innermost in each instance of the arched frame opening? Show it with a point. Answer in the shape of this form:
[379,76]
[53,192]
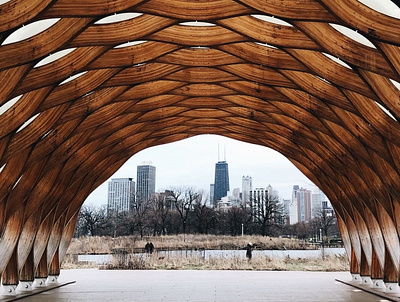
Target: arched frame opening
[84,94]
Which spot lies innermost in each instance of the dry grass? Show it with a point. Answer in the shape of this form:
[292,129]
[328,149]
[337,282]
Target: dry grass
[70,261]
[88,245]
[332,263]
[105,245]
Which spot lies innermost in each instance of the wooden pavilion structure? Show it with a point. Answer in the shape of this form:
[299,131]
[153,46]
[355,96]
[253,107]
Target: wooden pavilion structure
[86,84]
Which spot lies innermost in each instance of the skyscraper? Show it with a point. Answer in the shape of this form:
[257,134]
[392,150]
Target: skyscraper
[247,186]
[316,203]
[259,199]
[121,194]
[293,209]
[145,181]
[211,194]
[303,200]
[221,182]
[265,206]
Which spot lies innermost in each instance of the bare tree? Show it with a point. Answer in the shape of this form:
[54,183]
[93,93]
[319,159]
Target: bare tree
[184,198]
[324,220]
[237,218]
[205,217]
[301,230]
[140,212]
[92,220]
[123,223]
[267,213]
[160,211]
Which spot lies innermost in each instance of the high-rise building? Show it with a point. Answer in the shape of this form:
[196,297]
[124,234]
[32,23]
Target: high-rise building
[293,209]
[316,203]
[121,195]
[303,198]
[319,203]
[145,181]
[266,206]
[273,193]
[259,199]
[221,182]
[293,216]
[286,208]
[235,198]
[247,186]
[211,195]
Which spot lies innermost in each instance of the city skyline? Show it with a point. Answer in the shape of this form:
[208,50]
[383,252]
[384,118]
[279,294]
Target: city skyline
[191,163]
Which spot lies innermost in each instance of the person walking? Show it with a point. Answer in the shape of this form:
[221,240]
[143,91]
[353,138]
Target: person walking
[249,250]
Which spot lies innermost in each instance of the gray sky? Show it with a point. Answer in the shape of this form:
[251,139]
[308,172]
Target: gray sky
[191,163]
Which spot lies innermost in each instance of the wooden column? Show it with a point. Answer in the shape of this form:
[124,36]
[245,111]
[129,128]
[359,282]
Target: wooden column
[9,239]
[364,267]
[54,268]
[41,270]
[10,274]
[376,270]
[390,274]
[27,238]
[354,266]
[28,270]
[54,240]
[68,232]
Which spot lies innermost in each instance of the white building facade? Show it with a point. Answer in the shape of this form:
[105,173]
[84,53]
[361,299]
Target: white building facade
[247,186]
[121,195]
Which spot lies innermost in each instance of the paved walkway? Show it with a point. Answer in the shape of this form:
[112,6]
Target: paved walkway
[162,285]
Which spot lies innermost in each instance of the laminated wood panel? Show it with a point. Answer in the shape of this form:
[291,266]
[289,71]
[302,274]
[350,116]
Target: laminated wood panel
[79,98]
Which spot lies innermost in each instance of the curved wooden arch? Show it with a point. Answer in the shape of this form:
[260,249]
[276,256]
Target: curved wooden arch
[278,74]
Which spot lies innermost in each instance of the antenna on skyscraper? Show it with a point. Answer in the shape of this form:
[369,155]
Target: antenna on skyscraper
[224,153]
[218,151]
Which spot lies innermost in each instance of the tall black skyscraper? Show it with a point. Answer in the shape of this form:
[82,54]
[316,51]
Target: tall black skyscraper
[221,182]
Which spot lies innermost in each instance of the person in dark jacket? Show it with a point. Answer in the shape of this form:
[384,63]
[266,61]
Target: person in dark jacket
[147,247]
[249,250]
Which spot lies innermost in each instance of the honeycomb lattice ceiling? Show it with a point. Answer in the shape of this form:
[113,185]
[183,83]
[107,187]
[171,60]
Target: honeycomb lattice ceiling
[87,84]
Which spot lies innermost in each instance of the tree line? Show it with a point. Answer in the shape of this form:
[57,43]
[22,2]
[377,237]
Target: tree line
[186,211]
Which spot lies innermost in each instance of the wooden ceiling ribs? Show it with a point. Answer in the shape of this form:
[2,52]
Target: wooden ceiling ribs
[111,78]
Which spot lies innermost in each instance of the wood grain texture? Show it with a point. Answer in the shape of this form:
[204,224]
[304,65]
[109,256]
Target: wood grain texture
[272,73]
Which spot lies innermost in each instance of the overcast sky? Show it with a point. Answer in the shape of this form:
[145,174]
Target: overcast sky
[191,163]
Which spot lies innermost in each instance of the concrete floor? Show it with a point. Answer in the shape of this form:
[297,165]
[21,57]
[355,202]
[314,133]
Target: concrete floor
[162,285]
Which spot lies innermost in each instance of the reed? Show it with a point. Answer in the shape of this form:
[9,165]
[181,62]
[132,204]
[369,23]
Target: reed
[123,257]
[105,245]
[153,262]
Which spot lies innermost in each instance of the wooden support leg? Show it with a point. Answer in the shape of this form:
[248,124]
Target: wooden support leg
[54,270]
[10,275]
[27,274]
[376,272]
[354,268]
[68,232]
[390,274]
[365,271]
[41,272]
[9,237]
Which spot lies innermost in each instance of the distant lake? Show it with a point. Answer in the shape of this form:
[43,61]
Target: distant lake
[241,254]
